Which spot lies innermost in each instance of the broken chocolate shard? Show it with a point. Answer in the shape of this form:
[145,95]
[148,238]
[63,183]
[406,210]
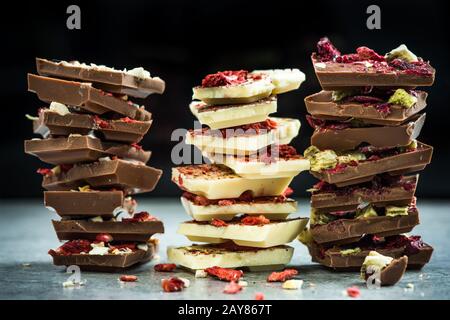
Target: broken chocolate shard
[322,106]
[53,124]
[107,79]
[364,171]
[377,136]
[378,192]
[141,231]
[394,271]
[127,176]
[343,231]
[77,204]
[77,148]
[83,95]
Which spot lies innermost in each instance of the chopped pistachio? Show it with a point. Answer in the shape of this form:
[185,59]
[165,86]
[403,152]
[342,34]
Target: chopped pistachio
[31,117]
[350,252]
[338,95]
[393,211]
[352,156]
[311,151]
[305,236]
[56,170]
[96,219]
[85,188]
[402,98]
[401,52]
[367,212]
[322,160]
[319,218]
[376,261]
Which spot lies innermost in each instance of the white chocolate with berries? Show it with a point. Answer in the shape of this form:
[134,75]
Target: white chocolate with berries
[284,80]
[270,209]
[266,235]
[220,182]
[197,257]
[226,116]
[240,141]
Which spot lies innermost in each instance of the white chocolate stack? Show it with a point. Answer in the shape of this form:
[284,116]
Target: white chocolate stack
[239,203]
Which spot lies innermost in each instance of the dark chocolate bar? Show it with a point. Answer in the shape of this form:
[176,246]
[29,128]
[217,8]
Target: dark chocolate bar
[120,231]
[130,177]
[84,96]
[116,81]
[348,138]
[380,191]
[84,204]
[122,130]
[332,257]
[321,106]
[343,231]
[107,262]
[402,163]
[77,148]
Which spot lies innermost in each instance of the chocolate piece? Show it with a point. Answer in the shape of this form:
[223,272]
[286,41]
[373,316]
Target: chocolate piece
[376,136]
[344,231]
[52,123]
[376,192]
[74,149]
[110,80]
[394,271]
[130,177]
[84,204]
[332,257]
[86,97]
[120,231]
[337,76]
[107,262]
[364,171]
[321,106]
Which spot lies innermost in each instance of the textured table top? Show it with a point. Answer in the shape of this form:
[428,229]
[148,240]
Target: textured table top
[26,271]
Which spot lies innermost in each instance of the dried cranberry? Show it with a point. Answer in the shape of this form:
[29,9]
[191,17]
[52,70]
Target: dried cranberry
[101,123]
[128,120]
[364,99]
[104,237]
[173,284]
[259,296]
[128,278]
[282,276]
[232,288]
[326,50]
[224,274]
[353,292]
[255,220]
[413,245]
[348,58]
[218,223]
[288,192]
[419,68]
[136,146]
[365,53]
[74,247]
[226,202]
[339,168]
[165,267]
[384,108]
[140,217]
[45,171]
[224,78]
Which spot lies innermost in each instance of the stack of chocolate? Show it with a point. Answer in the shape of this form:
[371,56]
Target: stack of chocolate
[364,151]
[90,132]
[240,202]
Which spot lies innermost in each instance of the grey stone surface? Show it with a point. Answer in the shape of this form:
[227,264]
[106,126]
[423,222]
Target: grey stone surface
[26,271]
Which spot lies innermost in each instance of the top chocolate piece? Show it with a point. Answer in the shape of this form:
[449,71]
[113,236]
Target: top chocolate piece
[136,82]
[398,68]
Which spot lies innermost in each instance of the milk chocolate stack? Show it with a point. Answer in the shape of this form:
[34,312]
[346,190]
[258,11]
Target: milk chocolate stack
[364,150]
[90,132]
[240,202]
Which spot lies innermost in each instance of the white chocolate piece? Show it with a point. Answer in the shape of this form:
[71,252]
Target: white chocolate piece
[223,183]
[226,116]
[256,169]
[284,80]
[271,210]
[292,284]
[286,130]
[204,256]
[259,236]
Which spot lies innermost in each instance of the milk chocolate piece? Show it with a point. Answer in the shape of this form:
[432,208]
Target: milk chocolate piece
[321,106]
[116,81]
[107,262]
[344,231]
[130,177]
[378,192]
[337,76]
[74,149]
[364,171]
[84,204]
[394,271]
[54,124]
[333,258]
[120,231]
[377,136]
[85,96]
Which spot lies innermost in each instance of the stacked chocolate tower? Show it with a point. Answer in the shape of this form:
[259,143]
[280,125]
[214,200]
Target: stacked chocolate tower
[239,203]
[90,133]
[363,150]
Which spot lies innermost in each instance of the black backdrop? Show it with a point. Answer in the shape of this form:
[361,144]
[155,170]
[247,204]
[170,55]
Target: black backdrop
[181,41]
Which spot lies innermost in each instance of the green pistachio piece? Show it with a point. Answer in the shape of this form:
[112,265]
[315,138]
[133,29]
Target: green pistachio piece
[367,212]
[401,52]
[305,237]
[311,151]
[352,156]
[338,95]
[393,211]
[31,117]
[350,252]
[319,218]
[322,160]
[402,98]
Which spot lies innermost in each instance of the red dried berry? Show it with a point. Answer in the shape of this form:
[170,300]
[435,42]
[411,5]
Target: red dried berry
[136,146]
[140,217]
[225,274]
[282,276]
[224,78]
[353,292]
[326,50]
[288,192]
[365,53]
[104,237]
[232,288]
[259,296]
[165,267]
[255,220]
[226,202]
[173,284]
[218,223]
[128,278]
[45,171]
[100,122]
[128,120]
[348,58]
[73,247]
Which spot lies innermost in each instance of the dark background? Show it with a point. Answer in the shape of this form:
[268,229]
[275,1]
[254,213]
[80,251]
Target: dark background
[181,41]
